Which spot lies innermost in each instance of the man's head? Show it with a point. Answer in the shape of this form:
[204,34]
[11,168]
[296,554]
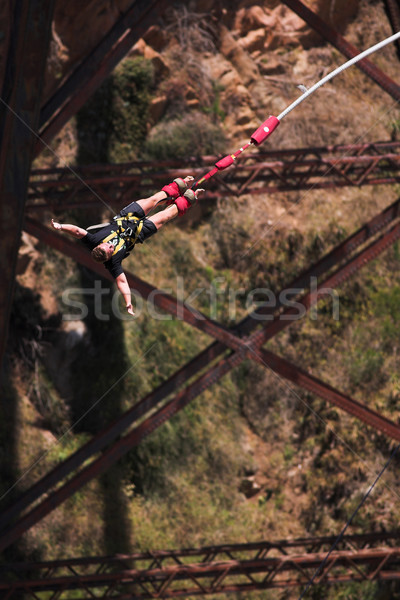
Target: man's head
[103,252]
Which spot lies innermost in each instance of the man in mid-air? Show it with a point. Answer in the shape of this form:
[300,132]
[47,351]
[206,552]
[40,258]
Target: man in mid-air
[113,242]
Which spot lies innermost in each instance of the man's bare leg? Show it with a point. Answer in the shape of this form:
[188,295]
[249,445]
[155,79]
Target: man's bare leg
[164,216]
[149,203]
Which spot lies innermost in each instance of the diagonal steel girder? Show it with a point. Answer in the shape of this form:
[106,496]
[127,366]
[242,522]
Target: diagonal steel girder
[330,34]
[250,348]
[96,67]
[19,112]
[341,252]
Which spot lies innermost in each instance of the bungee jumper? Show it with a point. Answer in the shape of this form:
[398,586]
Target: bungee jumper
[111,242]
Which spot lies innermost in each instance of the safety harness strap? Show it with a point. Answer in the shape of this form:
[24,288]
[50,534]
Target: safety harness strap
[125,233]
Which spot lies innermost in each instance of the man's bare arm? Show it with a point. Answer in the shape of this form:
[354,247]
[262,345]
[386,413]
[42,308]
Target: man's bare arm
[74,230]
[123,286]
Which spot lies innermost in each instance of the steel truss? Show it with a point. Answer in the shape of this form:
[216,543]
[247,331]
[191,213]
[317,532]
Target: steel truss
[230,349]
[209,570]
[258,173]
[345,261]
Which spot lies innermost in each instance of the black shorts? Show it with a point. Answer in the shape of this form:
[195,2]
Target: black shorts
[148,228]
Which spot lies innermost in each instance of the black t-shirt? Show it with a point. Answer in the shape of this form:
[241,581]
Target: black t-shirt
[91,240]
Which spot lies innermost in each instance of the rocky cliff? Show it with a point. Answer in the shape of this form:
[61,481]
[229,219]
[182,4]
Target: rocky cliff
[242,46]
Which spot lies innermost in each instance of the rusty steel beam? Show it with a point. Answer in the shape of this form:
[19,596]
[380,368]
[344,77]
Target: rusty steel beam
[393,10]
[93,71]
[341,275]
[151,559]
[332,36]
[193,367]
[19,112]
[323,390]
[6,10]
[248,349]
[258,173]
[208,570]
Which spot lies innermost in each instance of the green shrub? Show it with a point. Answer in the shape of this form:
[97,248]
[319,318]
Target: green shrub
[133,81]
[192,135]
[113,123]
[365,368]
[386,305]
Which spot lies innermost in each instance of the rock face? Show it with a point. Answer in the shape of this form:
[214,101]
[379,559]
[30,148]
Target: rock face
[160,66]
[27,254]
[78,27]
[246,28]
[237,56]
[270,25]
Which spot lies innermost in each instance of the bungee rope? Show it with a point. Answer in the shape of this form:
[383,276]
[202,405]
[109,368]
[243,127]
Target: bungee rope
[269,126]
[333,74]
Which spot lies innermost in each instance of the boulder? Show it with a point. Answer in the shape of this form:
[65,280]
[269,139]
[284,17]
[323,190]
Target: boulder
[156,38]
[249,487]
[282,25]
[252,18]
[240,59]
[157,109]
[81,25]
[254,40]
[269,65]
[241,123]
[78,27]
[161,68]
[191,97]
[271,21]
[27,254]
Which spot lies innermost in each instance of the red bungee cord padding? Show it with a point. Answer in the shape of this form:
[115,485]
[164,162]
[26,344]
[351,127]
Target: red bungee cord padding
[265,130]
[269,126]
[256,139]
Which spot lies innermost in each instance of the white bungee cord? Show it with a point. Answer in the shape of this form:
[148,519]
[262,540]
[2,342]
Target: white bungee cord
[333,74]
[272,122]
